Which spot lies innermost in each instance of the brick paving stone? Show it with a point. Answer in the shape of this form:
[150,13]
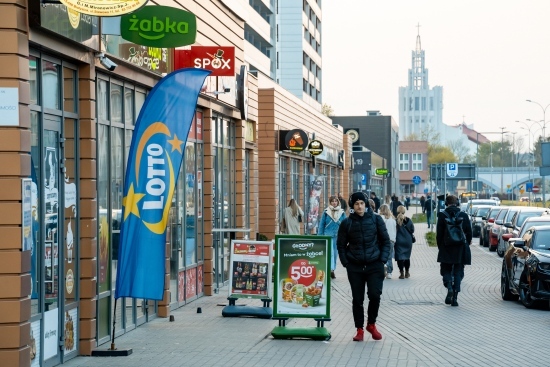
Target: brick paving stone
[418,328]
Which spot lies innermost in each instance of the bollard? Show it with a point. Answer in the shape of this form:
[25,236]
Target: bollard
[199,310]
[172,318]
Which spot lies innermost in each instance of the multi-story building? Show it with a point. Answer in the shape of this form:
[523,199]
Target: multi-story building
[420,107]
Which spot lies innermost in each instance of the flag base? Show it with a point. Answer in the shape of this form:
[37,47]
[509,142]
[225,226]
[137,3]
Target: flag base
[111,352]
[315,333]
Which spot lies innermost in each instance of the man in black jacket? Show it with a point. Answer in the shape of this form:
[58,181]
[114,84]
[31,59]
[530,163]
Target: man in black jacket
[453,258]
[363,248]
[343,204]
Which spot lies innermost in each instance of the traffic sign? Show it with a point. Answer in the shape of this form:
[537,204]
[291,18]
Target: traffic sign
[535,189]
[417,180]
[382,171]
[529,187]
[452,169]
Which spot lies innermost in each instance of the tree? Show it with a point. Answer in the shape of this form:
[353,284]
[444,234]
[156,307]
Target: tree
[459,149]
[440,154]
[327,110]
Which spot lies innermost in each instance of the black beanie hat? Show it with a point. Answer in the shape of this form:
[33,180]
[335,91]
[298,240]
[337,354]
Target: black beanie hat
[357,196]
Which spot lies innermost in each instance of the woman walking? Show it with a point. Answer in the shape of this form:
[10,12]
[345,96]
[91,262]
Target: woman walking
[291,222]
[328,226]
[391,226]
[403,242]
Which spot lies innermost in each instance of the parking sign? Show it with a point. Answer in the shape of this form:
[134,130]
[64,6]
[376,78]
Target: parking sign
[452,169]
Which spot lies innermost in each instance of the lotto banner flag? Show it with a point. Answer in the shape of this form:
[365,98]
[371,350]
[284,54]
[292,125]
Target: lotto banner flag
[156,154]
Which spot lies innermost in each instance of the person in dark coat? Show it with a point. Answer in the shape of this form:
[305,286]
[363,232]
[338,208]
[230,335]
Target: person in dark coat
[343,203]
[376,201]
[407,202]
[422,202]
[429,207]
[363,248]
[394,205]
[452,259]
[403,242]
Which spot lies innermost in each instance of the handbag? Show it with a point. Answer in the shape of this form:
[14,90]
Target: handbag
[300,218]
[412,234]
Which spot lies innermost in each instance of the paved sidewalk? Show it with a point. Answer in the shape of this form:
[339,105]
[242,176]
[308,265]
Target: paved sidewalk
[418,328]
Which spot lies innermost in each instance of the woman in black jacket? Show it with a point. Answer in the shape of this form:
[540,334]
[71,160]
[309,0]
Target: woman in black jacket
[453,258]
[403,242]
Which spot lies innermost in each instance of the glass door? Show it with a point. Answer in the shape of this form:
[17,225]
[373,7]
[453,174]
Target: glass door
[53,248]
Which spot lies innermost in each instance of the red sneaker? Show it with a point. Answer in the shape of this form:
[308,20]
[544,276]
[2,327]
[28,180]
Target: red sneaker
[359,336]
[371,328]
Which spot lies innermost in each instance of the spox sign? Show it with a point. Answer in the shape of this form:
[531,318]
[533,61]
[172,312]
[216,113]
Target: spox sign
[220,60]
[159,26]
[104,8]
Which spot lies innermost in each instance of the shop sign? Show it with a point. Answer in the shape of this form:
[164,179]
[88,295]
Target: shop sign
[9,106]
[66,22]
[220,60]
[296,140]
[104,8]
[242,92]
[250,269]
[381,171]
[150,58]
[302,287]
[315,147]
[159,26]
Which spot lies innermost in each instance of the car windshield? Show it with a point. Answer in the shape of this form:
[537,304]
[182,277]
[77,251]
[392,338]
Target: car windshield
[510,215]
[493,212]
[501,214]
[481,212]
[542,240]
[525,215]
[529,224]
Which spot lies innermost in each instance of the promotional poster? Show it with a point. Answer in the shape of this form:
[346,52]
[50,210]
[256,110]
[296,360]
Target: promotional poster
[250,269]
[302,276]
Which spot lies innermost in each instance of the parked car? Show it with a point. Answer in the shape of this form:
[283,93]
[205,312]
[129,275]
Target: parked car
[495,229]
[530,222]
[477,218]
[477,202]
[505,229]
[524,198]
[526,268]
[495,198]
[486,224]
[463,207]
[527,212]
[538,199]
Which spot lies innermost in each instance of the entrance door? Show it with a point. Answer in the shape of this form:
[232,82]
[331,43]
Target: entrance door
[53,248]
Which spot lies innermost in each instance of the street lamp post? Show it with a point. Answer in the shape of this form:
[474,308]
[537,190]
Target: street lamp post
[544,139]
[477,153]
[502,159]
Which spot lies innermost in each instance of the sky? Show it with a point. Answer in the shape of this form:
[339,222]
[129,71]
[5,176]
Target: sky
[488,55]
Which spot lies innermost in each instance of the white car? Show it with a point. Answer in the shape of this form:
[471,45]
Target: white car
[496,199]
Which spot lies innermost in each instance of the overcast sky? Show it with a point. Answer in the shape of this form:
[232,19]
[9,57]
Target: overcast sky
[488,55]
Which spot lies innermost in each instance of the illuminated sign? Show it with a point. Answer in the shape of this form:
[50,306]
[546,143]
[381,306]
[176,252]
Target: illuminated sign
[219,60]
[104,8]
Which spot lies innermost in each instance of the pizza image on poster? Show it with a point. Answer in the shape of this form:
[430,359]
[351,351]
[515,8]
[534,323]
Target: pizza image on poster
[301,284]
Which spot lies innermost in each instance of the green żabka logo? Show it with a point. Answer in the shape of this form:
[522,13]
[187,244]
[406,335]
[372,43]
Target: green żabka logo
[159,26]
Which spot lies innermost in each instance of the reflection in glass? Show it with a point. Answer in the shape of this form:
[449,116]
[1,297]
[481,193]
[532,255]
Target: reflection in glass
[70,219]
[102,198]
[102,100]
[116,187]
[36,253]
[140,100]
[116,103]
[51,93]
[33,79]
[190,207]
[51,245]
[128,106]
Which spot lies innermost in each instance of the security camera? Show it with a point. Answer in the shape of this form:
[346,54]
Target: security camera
[107,63]
[227,90]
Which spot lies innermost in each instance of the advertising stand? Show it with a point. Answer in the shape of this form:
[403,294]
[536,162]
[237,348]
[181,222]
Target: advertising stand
[250,264]
[301,285]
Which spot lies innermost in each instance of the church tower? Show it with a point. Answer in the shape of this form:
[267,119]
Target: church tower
[420,108]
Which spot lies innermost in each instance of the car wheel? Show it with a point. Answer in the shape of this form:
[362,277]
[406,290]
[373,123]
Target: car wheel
[525,293]
[505,292]
[500,248]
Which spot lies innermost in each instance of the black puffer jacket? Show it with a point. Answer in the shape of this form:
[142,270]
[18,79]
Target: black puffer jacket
[453,254]
[363,240]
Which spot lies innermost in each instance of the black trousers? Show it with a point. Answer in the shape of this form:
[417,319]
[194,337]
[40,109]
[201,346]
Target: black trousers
[373,275]
[452,275]
[404,264]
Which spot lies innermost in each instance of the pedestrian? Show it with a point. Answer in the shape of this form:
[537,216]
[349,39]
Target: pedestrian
[394,205]
[429,207]
[372,205]
[452,259]
[292,218]
[343,203]
[363,248]
[403,242]
[422,202]
[376,201]
[407,202]
[391,224]
[331,218]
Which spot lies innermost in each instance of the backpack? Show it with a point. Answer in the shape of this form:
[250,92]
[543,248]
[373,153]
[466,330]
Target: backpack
[454,235]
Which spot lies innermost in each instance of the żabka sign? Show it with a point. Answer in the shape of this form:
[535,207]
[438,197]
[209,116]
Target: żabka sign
[220,60]
[104,8]
[159,26]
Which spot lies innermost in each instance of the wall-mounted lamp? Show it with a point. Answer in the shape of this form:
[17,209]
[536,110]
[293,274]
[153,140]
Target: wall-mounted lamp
[105,61]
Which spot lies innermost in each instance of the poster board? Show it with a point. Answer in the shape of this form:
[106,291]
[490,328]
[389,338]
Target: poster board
[250,269]
[302,276]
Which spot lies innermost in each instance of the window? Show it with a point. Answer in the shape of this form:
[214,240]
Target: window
[404,161]
[417,162]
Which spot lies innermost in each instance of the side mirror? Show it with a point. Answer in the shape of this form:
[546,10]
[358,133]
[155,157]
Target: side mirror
[499,222]
[518,242]
[508,225]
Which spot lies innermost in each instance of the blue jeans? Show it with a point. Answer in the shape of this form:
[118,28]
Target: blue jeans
[389,263]
[334,256]
[452,275]
[429,218]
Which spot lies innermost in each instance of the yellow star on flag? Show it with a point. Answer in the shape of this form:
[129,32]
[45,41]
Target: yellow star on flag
[176,144]
[132,199]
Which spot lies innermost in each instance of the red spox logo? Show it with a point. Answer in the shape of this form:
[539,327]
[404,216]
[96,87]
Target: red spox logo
[220,60]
